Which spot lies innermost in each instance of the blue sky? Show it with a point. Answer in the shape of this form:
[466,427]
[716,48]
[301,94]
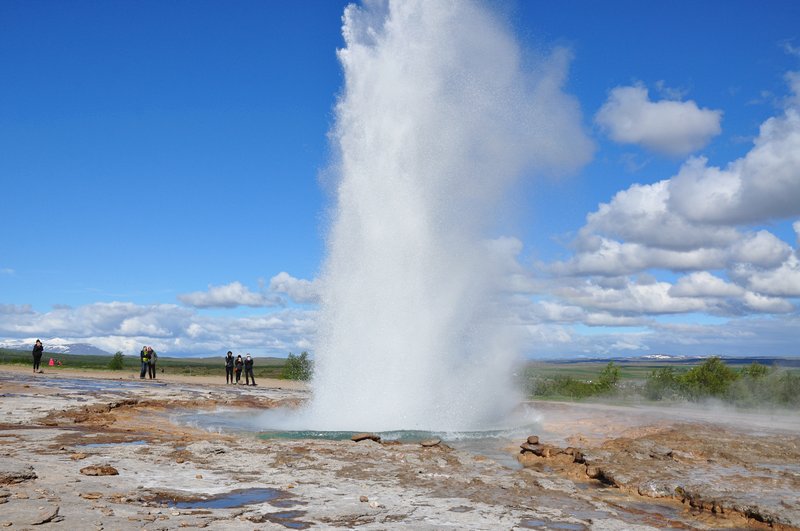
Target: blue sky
[164,176]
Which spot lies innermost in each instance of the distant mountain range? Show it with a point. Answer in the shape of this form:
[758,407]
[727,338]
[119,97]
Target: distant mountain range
[678,359]
[55,346]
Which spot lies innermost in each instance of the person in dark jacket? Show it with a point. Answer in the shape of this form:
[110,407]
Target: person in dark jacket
[38,350]
[151,362]
[145,359]
[248,370]
[238,364]
[229,368]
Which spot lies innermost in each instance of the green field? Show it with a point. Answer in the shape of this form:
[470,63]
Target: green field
[746,382]
[264,367]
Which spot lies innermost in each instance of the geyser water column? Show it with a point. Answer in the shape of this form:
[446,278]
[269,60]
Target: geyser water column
[437,119]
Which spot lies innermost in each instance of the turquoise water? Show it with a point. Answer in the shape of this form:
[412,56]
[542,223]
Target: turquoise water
[498,445]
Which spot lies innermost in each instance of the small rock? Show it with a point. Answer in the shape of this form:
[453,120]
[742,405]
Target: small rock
[91,495]
[46,515]
[199,476]
[363,499]
[7,524]
[429,443]
[102,470]
[78,456]
[176,513]
[533,439]
[528,447]
[365,436]
[373,504]
[593,471]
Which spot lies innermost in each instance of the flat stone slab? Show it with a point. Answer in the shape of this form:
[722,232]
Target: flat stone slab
[11,472]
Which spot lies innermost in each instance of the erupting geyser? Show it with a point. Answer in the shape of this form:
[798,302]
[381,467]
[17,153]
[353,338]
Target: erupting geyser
[437,119]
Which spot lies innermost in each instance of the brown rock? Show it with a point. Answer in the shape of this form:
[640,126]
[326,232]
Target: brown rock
[533,439]
[15,473]
[531,448]
[91,495]
[78,456]
[430,443]
[593,472]
[528,459]
[365,436]
[363,499]
[102,470]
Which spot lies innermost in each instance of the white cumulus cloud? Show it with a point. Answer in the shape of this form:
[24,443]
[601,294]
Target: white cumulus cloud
[704,284]
[299,290]
[666,126]
[761,186]
[228,296]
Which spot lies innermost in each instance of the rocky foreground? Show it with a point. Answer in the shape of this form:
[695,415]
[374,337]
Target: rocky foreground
[78,455]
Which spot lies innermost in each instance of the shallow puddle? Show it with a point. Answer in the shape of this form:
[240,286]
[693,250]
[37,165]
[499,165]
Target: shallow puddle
[227,500]
[547,524]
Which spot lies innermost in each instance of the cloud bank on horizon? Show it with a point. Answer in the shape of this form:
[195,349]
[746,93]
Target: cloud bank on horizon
[701,260]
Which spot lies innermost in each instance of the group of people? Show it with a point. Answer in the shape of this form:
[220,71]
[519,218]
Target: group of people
[233,367]
[148,357]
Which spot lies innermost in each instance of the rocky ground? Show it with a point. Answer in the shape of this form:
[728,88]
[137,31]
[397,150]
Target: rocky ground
[78,454]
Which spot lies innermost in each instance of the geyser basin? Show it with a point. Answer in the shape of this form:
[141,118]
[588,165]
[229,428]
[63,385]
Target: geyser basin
[499,445]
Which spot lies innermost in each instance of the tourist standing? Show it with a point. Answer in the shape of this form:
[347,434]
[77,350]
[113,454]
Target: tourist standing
[238,364]
[248,370]
[229,368]
[145,359]
[38,350]
[151,362]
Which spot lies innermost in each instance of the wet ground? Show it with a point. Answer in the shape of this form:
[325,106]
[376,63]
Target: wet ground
[102,454]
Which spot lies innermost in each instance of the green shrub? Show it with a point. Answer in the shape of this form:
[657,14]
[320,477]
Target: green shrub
[711,378]
[298,367]
[562,386]
[661,383]
[117,363]
[608,378]
[755,371]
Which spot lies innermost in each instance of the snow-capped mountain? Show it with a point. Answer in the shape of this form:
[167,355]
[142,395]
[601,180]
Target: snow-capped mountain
[55,345]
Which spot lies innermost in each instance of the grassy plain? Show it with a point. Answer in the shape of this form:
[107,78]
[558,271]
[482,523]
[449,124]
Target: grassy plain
[570,380]
[263,367]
